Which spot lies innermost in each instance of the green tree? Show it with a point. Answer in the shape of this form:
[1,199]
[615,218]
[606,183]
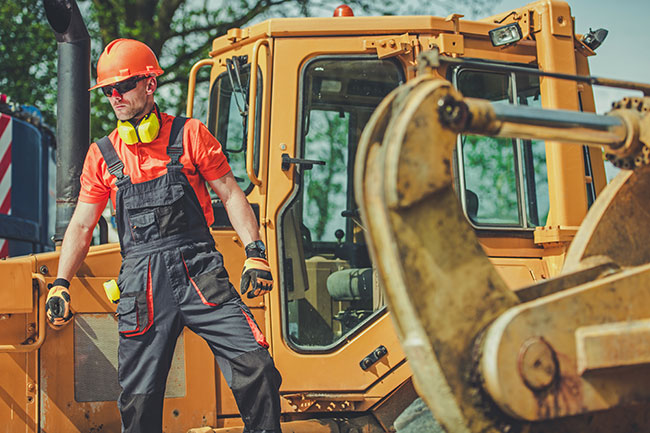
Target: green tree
[179,31]
[326,184]
[28,56]
[489,165]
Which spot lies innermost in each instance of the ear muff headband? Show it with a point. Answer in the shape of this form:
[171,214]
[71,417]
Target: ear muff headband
[144,131]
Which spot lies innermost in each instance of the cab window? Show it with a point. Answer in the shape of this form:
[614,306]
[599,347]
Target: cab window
[503,181]
[229,116]
[330,288]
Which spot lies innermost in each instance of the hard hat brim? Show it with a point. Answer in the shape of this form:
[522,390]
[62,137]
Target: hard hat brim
[113,80]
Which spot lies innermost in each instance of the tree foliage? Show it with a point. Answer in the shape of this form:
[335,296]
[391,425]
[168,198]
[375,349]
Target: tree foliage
[179,31]
[28,56]
[326,185]
[489,164]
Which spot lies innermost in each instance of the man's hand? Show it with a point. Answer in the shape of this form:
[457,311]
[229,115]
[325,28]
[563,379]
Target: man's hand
[257,274]
[57,305]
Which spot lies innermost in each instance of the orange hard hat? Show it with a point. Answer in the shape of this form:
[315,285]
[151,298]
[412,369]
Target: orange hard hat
[123,59]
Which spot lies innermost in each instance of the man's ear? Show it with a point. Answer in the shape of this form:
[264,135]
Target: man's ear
[152,85]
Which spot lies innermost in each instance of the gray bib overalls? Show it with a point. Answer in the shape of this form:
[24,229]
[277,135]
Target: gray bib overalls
[172,276]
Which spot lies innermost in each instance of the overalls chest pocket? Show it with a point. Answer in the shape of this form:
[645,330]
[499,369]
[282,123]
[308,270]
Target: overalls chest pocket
[157,213]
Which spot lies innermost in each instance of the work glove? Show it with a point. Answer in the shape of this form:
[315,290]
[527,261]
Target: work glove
[57,305]
[257,274]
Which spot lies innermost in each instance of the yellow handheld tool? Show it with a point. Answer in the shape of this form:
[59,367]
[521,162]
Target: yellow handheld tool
[112,291]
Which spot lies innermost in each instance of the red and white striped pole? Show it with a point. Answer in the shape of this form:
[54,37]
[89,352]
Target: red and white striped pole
[5,174]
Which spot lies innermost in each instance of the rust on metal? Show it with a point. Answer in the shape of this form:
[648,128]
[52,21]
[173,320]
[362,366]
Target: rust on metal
[620,297]
[552,236]
[538,364]
[560,399]
[318,402]
[391,46]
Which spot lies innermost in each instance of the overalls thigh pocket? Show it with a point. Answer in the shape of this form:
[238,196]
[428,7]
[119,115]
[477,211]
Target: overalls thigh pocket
[208,276]
[135,309]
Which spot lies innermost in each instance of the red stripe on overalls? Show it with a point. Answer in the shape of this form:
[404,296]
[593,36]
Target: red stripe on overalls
[149,306]
[205,301]
[259,337]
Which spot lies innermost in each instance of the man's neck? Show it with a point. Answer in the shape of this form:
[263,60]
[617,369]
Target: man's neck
[149,106]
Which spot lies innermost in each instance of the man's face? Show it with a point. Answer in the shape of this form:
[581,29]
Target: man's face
[134,103]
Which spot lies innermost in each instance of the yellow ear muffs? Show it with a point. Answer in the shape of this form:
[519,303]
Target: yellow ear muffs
[145,131]
[127,132]
[149,128]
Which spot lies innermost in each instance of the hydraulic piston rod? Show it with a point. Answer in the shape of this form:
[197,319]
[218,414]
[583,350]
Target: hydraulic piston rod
[618,131]
[527,122]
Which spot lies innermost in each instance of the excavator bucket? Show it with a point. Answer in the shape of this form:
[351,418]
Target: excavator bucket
[567,355]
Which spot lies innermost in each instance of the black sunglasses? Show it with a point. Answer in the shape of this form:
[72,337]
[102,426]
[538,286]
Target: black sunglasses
[123,86]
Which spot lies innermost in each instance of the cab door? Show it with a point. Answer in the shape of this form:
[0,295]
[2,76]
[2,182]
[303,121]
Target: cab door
[329,308]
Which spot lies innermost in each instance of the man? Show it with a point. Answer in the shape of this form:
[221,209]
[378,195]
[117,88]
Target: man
[154,168]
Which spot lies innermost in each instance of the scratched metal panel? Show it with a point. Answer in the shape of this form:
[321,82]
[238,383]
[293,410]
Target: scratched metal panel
[95,360]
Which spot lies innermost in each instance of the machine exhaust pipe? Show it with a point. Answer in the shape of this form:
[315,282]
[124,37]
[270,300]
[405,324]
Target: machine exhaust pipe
[73,105]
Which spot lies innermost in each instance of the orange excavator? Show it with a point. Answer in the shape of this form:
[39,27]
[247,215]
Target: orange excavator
[455,260]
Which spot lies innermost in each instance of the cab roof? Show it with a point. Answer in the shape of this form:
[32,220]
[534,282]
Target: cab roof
[346,26]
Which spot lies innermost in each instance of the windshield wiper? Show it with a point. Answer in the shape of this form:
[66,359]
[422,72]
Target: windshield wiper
[234,65]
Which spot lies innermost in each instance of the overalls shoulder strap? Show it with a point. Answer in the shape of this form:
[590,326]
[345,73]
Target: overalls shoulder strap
[175,146]
[113,162]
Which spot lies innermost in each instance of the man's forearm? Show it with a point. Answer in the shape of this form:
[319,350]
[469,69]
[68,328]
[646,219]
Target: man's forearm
[242,218]
[239,209]
[74,249]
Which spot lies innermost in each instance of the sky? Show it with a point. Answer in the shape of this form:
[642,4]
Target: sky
[623,55]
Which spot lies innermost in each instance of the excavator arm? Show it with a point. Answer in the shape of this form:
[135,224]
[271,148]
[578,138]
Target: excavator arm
[569,354]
